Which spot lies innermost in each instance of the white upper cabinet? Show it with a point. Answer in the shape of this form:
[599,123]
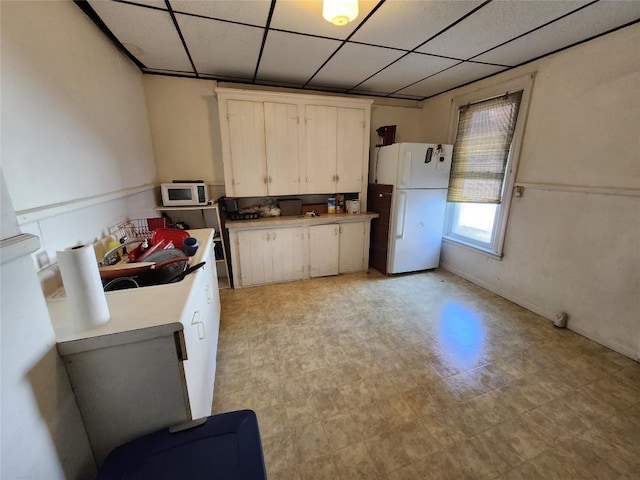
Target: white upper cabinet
[335,145]
[245,172]
[287,144]
[350,148]
[321,125]
[281,123]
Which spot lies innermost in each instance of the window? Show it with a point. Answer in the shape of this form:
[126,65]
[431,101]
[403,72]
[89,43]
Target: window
[486,130]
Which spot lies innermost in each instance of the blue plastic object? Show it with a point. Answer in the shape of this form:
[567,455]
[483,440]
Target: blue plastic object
[225,447]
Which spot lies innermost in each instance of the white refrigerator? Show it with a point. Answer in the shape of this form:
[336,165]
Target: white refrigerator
[419,174]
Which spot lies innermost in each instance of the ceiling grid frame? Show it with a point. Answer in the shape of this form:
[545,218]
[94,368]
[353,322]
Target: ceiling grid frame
[297,20]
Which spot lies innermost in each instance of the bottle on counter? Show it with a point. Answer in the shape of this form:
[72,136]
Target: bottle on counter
[339,203]
[331,205]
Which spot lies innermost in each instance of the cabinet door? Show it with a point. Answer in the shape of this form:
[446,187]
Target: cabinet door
[288,254]
[350,149]
[320,148]
[247,160]
[256,265]
[282,148]
[201,321]
[323,250]
[352,254]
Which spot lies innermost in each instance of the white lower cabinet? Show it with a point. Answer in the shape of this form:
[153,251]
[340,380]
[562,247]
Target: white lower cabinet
[153,364]
[324,244]
[352,247]
[298,251]
[201,321]
[270,256]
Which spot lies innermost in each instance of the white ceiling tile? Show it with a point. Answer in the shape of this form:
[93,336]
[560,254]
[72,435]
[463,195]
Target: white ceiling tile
[306,17]
[588,22]
[406,24]
[494,24]
[253,12]
[293,58]
[353,63]
[221,48]
[406,71]
[458,75]
[149,33]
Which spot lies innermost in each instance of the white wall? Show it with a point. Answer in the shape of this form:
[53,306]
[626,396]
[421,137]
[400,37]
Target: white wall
[77,158]
[41,431]
[74,116]
[76,150]
[572,241]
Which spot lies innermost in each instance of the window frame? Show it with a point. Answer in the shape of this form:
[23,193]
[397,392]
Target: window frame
[496,246]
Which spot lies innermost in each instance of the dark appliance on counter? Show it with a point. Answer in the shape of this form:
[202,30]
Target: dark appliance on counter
[290,207]
[379,201]
[228,204]
[387,134]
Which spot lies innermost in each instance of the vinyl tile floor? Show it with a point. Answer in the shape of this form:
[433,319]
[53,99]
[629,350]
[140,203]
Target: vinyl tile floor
[422,376]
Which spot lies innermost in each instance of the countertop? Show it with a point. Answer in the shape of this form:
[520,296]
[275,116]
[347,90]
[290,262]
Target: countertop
[136,314]
[301,220]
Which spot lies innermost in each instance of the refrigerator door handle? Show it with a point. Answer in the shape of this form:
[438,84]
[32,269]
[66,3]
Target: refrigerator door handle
[405,174]
[401,215]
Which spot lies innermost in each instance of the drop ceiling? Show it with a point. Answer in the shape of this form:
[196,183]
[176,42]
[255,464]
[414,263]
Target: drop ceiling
[409,49]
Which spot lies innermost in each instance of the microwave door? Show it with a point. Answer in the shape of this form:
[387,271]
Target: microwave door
[180,194]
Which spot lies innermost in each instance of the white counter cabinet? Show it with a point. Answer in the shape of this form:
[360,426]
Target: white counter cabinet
[282,249]
[324,254]
[270,256]
[153,364]
[354,247]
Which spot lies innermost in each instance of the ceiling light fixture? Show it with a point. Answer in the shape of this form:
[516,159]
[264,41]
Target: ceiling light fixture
[339,12]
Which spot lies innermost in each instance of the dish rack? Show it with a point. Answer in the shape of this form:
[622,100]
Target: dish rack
[138,228]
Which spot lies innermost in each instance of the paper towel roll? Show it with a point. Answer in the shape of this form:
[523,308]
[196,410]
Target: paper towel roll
[81,278]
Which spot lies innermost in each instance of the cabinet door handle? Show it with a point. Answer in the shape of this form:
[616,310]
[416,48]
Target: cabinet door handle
[209,295]
[199,325]
[265,180]
[269,178]
[274,236]
[268,236]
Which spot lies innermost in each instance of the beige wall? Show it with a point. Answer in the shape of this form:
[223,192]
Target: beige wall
[185,128]
[572,241]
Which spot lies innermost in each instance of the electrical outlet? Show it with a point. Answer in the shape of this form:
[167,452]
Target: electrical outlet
[560,320]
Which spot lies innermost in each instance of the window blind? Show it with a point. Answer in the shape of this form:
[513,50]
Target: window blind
[481,149]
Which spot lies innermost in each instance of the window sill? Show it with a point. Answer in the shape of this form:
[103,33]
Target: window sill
[472,247]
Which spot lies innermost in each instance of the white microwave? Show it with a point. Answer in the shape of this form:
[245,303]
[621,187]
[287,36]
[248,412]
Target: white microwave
[184,194]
